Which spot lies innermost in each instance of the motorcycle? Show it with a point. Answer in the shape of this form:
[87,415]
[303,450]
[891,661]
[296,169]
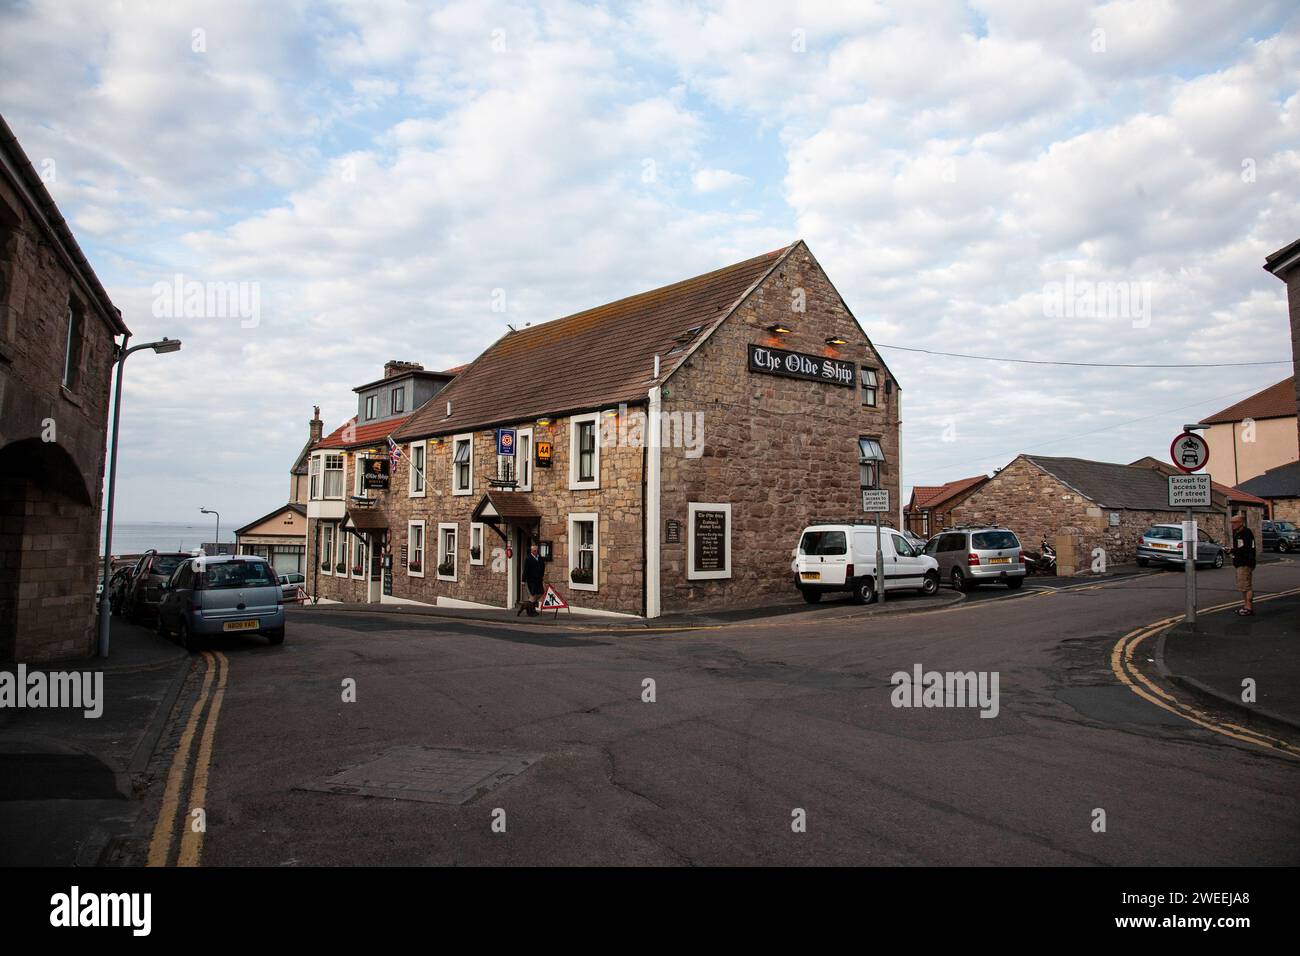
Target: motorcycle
[1042,561]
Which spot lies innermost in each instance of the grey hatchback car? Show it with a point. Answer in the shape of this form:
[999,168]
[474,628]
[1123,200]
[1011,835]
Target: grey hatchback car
[222,594]
[969,557]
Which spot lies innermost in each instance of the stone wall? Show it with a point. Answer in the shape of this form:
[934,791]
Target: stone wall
[1287,509]
[53,436]
[782,451]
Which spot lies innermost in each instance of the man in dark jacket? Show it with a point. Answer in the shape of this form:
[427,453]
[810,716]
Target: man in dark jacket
[534,572]
[1243,559]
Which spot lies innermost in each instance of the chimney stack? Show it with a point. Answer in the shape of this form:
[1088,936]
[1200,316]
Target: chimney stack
[397,368]
[317,426]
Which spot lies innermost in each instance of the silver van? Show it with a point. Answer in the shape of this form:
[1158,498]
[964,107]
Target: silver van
[222,594]
[970,556]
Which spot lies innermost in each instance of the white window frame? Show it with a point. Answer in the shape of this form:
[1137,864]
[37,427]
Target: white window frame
[327,549]
[477,529]
[345,550]
[372,407]
[314,483]
[455,443]
[423,475]
[410,550]
[356,476]
[594,518]
[398,391]
[873,384]
[454,528]
[574,422]
[520,436]
[357,543]
[326,469]
[691,574]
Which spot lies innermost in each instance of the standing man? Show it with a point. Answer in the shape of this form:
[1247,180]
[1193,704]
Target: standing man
[534,572]
[1243,559]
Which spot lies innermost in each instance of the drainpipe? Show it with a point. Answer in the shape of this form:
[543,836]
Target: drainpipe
[653,474]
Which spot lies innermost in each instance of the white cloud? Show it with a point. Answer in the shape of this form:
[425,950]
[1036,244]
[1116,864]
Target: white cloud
[712,180]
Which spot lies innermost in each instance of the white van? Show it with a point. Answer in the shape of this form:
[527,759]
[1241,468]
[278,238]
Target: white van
[842,557]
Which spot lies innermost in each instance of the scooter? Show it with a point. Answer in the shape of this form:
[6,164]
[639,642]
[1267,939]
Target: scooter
[1042,561]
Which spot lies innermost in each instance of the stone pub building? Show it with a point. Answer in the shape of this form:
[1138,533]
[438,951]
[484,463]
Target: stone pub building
[664,451]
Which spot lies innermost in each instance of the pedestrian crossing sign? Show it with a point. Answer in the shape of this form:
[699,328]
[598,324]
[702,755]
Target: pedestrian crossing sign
[551,600]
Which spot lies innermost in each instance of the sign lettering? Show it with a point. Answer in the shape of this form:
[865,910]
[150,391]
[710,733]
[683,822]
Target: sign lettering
[814,368]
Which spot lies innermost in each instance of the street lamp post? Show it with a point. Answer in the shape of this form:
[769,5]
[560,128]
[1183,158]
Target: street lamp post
[218,537]
[161,346]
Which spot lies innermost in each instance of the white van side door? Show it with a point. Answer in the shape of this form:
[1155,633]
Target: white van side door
[906,569]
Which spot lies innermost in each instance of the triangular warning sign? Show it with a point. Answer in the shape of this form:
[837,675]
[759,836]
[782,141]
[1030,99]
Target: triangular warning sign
[551,600]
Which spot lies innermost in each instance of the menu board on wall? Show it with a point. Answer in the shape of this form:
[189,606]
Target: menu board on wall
[710,533]
[672,531]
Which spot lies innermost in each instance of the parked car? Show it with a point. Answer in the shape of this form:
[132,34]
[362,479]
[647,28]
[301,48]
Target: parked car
[143,589]
[842,557]
[290,583]
[1280,536]
[915,540]
[222,594]
[971,556]
[1163,544]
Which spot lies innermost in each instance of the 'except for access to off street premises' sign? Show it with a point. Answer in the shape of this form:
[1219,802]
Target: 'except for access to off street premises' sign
[875,499]
[1189,491]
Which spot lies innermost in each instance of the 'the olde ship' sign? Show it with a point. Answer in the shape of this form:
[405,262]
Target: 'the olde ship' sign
[801,365]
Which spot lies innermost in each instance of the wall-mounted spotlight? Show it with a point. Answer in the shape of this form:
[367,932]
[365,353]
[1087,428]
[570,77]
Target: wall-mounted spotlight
[837,340]
[778,329]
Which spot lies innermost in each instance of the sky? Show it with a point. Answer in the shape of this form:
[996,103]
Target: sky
[1053,180]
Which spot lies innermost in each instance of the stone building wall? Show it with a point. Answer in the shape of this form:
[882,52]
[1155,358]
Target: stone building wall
[55,438]
[782,451]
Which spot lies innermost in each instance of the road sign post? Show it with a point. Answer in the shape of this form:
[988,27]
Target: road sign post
[876,500]
[1189,453]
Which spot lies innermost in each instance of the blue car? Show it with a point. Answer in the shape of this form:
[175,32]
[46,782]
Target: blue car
[222,594]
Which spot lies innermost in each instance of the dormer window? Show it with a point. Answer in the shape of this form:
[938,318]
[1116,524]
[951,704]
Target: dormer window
[372,402]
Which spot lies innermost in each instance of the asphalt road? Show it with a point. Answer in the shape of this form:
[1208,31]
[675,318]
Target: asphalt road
[751,722]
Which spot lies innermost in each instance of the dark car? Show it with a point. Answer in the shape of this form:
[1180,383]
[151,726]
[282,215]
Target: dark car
[144,588]
[117,585]
[1281,536]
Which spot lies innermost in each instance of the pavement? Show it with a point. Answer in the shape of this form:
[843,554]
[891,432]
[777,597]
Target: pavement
[69,784]
[1223,650]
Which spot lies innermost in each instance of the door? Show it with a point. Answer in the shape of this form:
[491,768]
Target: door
[514,564]
[375,584]
[906,568]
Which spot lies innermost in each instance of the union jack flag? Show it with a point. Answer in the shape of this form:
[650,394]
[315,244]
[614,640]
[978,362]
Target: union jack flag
[394,451]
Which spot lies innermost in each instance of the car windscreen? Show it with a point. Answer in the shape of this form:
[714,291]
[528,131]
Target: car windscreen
[993,540]
[1164,534]
[236,574]
[1283,526]
[167,564]
[823,542]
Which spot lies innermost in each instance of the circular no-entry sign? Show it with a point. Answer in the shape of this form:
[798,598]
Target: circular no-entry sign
[1189,452]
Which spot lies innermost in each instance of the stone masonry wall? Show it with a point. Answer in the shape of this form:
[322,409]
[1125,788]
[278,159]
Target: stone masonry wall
[49,521]
[782,451]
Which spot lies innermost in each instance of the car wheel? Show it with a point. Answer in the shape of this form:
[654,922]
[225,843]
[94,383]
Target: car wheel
[1218,559]
[864,591]
[1283,546]
[810,596]
[275,636]
[931,583]
[1143,562]
[959,581]
[188,640]
[1014,583]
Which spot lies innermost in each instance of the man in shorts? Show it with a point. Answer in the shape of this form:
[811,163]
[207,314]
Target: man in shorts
[1243,559]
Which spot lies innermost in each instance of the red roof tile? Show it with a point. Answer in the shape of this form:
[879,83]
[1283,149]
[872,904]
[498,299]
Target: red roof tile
[352,435]
[931,496]
[599,357]
[1276,401]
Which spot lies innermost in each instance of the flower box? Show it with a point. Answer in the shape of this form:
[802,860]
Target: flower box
[580,575]
[447,569]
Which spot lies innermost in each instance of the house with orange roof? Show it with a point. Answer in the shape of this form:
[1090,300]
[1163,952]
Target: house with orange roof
[1254,435]
[928,508]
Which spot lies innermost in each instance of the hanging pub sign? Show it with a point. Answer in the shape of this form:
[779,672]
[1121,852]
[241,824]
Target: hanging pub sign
[543,454]
[815,368]
[375,474]
[506,441]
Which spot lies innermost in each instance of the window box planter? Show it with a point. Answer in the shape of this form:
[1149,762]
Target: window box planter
[580,575]
[474,553]
[356,569]
[447,568]
[341,568]
[414,566]
[324,565]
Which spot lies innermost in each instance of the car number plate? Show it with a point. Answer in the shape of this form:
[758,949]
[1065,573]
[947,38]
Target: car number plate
[811,575]
[240,626]
[999,560]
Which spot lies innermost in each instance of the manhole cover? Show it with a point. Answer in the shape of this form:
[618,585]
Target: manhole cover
[427,774]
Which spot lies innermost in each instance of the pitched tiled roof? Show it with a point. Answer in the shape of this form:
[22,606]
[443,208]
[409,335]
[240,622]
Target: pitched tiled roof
[1280,482]
[954,488]
[923,494]
[1108,484]
[291,506]
[352,435]
[1276,401]
[602,356]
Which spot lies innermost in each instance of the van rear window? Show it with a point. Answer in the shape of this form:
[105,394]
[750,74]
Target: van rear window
[993,540]
[236,574]
[823,542]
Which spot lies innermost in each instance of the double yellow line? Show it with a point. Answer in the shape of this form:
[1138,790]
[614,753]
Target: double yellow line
[1122,663]
[170,820]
